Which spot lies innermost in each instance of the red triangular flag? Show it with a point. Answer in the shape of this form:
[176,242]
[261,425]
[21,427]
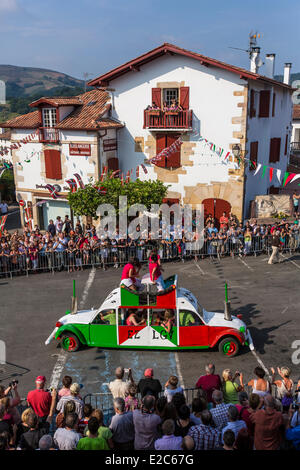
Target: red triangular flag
[271,173]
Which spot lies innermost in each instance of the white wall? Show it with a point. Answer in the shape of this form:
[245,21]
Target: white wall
[212,102]
[262,130]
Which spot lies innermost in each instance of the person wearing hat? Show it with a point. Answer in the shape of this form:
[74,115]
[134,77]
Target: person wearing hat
[74,390]
[39,399]
[148,385]
[275,247]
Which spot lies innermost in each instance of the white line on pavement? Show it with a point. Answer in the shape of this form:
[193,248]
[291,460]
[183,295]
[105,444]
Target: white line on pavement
[260,362]
[62,357]
[200,269]
[179,370]
[290,260]
[284,310]
[247,265]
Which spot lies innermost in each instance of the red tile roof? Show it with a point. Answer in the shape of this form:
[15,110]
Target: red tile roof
[296,111]
[166,48]
[57,101]
[25,121]
[87,115]
[5,135]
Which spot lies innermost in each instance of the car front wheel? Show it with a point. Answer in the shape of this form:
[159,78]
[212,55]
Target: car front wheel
[229,346]
[70,342]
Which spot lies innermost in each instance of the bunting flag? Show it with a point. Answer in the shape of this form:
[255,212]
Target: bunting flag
[122,179]
[288,177]
[227,155]
[114,174]
[264,171]
[80,182]
[278,174]
[101,190]
[166,152]
[127,179]
[271,174]
[257,169]
[137,171]
[295,178]
[53,192]
[73,185]
[2,222]
[144,168]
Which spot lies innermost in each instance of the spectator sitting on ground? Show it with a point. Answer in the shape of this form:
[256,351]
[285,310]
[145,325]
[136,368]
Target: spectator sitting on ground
[234,423]
[65,390]
[93,441]
[209,382]
[204,435]
[46,443]
[269,426]
[148,385]
[39,399]
[260,386]
[171,387]
[119,387]
[168,441]
[74,389]
[122,426]
[220,412]
[198,405]
[67,438]
[146,424]
[230,388]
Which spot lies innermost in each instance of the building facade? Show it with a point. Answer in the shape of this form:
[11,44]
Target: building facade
[225,104]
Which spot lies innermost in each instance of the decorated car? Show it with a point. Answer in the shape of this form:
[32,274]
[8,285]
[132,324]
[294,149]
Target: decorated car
[171,319]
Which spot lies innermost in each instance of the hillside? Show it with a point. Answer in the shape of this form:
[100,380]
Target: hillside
[28,81]
[294,76]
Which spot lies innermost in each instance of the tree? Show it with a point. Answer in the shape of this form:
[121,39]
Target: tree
[86,201]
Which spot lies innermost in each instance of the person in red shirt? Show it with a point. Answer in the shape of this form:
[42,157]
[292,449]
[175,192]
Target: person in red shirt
[269,426]
[129,273]
[39,399]
[155,273]
[224,221]
[209,382]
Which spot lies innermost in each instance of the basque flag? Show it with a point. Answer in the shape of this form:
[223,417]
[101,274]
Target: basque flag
[166,152]
[80,182]
[73,185]
[52,190]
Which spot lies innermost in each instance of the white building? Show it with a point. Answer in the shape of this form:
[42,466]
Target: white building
[225,104]
[72,135]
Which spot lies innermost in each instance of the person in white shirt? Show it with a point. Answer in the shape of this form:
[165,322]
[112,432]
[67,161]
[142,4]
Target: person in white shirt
[234,423]
[119,387]
[3,208]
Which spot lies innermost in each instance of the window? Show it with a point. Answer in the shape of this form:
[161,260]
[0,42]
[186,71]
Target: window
[253,155]
[163,141]
[157,317]
[274,155]
[106,317]
[53,164]
[188,318]
[49,117]
[264,103]
[170,94]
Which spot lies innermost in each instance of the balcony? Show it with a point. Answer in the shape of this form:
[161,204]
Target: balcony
[157,119]
[48,134]
[295,147]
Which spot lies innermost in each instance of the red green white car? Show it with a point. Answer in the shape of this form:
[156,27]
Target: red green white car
[193,326]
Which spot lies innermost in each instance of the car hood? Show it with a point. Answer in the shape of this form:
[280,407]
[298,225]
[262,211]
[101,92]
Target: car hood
[217,319]
[81,317]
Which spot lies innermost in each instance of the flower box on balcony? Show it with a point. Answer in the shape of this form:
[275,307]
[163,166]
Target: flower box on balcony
[154,112]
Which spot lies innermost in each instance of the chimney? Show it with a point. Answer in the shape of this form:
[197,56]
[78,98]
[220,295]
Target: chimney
[287,73]
[270,65]
[254,59]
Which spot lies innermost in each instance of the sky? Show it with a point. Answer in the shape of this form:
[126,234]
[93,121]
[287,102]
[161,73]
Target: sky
[94,36]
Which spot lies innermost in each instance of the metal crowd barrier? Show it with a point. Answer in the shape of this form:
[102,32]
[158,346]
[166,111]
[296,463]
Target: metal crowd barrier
[52,261]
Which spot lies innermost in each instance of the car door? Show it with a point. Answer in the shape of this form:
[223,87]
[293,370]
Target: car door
[103,329]
[192,330]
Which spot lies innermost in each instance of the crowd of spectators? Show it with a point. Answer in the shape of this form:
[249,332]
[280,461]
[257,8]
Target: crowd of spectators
[221,415]
[63,246]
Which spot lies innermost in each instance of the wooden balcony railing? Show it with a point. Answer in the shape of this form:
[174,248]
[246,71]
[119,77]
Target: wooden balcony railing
[168,120]
[295,147]
[48,134]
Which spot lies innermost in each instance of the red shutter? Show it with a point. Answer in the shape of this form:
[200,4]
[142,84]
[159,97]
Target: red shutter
[173,161]
[264,103]
[113,164]
[286,144]
[273,105]
[185,97]
[53,164]
[252,104]
[253,155]
[161,143]
[156,96]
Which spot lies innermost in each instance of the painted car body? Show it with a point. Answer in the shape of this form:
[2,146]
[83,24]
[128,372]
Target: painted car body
[206,331]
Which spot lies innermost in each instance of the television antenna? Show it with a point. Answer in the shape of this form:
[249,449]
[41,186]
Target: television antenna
[253,36]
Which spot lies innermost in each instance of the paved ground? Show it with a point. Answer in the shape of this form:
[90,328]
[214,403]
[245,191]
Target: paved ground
[267,296]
